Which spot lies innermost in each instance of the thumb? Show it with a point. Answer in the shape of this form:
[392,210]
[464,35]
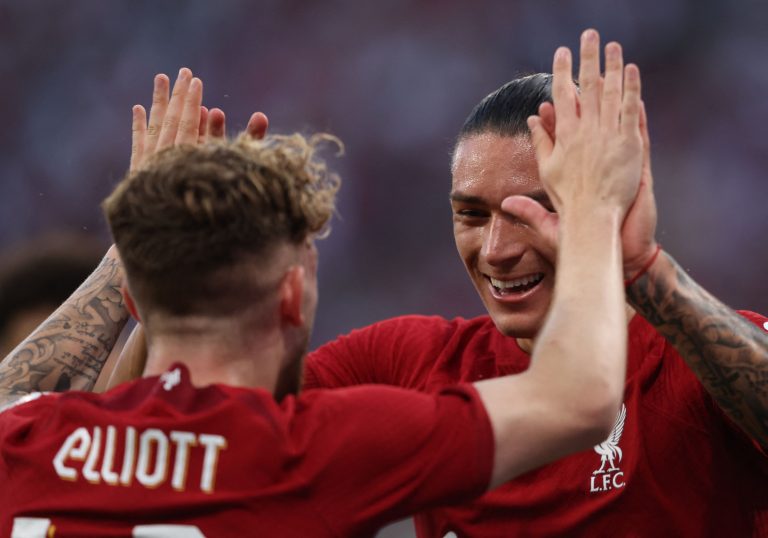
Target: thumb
[537,218]
[526,210]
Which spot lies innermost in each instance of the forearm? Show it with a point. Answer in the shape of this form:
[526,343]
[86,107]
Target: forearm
[582,345]
[133,357]
[68,350]
[727,353]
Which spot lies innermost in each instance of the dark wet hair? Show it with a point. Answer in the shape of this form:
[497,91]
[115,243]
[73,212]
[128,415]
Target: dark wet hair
[506,110]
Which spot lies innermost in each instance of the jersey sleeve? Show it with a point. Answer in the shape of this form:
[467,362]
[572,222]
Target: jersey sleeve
[381,453]
[391,352]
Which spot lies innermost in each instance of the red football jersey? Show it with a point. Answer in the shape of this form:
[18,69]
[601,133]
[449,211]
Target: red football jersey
[159,457]
[674,464]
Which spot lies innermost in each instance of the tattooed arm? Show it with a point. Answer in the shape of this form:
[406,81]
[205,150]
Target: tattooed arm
[727,353]
[68,350]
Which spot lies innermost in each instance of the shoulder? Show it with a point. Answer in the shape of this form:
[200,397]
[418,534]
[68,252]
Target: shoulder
[14,402]
[417,328]
[393,351]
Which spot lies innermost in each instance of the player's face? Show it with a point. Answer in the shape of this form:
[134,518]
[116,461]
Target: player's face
[501,254]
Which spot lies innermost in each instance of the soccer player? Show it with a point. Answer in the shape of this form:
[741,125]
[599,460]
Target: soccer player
[217,241]
[687,454]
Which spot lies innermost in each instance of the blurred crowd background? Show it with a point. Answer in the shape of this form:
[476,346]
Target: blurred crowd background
[394,80]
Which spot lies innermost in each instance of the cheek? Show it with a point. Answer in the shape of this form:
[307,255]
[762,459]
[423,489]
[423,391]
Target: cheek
[469,241]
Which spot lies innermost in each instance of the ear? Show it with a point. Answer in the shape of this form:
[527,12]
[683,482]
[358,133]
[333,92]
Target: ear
[129,304]
[292,296]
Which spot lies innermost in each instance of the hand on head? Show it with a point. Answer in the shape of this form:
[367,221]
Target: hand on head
[595,159]
[607,118]
[181,118]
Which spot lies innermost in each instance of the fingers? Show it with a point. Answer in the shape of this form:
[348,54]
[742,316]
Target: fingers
[202,126]
[216,123]
[526,210]
[631,105]
[157,111]
[548,120]
[542,141]
[610,106]
[589,75]
[189,123]
[647,175]
[644,132]
[563,91]
[138,135]
[257,125]
[170,123]
[535,216]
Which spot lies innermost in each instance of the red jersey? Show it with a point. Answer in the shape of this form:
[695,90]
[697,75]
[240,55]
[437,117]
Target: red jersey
[674,465]
[159,457]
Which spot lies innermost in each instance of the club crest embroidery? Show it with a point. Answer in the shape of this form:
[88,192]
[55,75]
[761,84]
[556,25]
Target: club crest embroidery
[171,378]
[610,476]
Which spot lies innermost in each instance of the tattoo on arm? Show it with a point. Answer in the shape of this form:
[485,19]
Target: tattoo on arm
[68,350]
[725,351]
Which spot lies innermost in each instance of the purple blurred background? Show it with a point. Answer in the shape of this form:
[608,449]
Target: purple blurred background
[394,80]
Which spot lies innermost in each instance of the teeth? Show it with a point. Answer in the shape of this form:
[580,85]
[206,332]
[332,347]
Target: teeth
[504,284]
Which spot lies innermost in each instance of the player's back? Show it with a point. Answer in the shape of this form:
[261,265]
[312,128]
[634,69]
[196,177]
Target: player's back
[153,448]
[214,461]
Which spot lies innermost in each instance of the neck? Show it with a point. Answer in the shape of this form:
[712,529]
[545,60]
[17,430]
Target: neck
[217,351]
[526,344]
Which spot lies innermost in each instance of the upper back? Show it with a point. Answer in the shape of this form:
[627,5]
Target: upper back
[232,461]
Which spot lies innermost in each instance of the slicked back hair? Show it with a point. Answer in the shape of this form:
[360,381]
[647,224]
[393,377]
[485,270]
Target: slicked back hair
[505,111]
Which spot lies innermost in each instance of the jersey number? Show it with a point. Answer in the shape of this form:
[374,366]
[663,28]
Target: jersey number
[38,527]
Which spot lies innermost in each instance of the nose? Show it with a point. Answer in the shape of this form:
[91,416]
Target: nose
[503,240]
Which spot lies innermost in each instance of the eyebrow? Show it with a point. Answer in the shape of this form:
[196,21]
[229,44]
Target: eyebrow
[466,198]
[539,195]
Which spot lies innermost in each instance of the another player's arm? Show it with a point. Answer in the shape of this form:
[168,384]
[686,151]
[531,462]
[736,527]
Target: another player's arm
[133,357]
[68,350]
[568,399]
[727,353]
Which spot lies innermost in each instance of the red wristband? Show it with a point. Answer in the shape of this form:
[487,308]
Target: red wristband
[644,268]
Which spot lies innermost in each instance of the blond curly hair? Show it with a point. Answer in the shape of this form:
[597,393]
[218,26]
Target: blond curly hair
[194,210]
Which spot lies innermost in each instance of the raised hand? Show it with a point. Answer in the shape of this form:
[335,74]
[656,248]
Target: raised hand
[638,231]
[638,235]
[181,119]
[178,120]
[595,159]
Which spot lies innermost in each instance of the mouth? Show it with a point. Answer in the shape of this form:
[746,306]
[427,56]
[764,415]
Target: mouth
[514,289]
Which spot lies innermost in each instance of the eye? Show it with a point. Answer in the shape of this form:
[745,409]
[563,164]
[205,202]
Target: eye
[470,214]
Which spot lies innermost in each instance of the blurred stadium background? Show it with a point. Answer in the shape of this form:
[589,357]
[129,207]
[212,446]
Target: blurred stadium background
[394,80]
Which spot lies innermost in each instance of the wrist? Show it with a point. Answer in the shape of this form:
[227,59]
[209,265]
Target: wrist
[589,214]
[588,221]
[633,272]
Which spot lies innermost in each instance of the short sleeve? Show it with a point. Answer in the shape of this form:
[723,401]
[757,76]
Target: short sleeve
[380,453]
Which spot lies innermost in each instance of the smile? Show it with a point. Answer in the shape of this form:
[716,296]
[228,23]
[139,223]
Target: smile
[514,287]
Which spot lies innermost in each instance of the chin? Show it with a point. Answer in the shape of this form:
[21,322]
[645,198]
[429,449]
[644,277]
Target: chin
[519,324]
